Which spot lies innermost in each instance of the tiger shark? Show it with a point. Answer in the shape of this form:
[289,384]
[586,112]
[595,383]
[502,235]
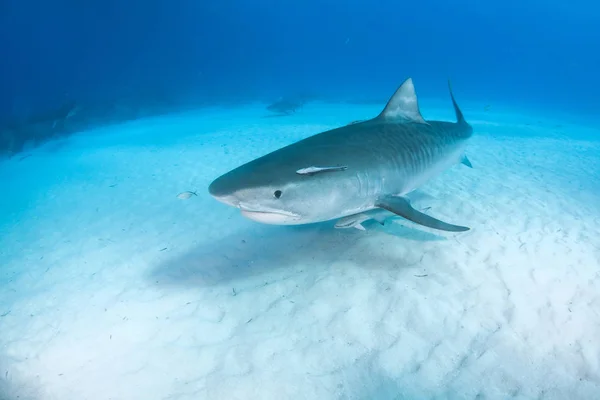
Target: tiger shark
[352,170]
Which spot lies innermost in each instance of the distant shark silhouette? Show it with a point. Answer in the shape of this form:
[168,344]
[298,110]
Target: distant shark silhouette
[351,170]
[285,106]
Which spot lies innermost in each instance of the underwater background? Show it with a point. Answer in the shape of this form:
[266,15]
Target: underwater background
[540,55]
[122,278]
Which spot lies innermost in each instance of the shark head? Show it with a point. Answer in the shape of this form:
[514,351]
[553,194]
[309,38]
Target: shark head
[271,191]
[262,200]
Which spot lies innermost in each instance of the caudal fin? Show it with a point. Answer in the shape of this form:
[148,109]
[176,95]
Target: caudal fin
[460,119]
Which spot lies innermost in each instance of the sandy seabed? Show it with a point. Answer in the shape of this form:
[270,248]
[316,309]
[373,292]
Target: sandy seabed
[113,288]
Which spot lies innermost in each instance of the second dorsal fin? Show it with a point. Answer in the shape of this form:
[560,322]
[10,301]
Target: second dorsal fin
[403,106]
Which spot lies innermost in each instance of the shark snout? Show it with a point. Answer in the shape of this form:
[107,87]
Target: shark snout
[218,190]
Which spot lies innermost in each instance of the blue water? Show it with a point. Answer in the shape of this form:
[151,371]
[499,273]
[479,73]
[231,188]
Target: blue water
[534,54]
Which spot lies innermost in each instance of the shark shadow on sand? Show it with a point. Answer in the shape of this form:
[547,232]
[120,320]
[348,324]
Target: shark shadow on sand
[253,253]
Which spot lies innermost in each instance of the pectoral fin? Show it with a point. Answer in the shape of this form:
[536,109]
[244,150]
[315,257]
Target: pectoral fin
[401,206]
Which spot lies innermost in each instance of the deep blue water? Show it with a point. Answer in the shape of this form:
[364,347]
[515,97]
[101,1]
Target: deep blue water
[537,54]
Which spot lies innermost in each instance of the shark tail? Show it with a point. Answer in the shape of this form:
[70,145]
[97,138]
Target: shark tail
[460,119]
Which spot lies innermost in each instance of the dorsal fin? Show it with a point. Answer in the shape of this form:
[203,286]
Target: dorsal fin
[403,106]
[460,119]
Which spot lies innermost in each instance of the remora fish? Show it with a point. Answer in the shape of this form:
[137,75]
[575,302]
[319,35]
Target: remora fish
[356,220]
[352,169]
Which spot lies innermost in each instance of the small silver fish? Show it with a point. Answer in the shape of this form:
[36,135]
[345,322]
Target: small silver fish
[186,195]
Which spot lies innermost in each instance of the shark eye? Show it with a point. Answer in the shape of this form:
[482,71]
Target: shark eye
[277,194]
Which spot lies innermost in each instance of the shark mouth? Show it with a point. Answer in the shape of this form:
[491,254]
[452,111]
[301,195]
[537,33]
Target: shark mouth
[265,216]
[271,217]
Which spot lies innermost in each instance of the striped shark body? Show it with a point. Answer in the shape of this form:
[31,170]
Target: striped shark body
[351,170]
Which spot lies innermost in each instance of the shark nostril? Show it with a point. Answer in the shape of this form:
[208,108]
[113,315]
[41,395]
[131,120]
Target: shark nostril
[229,200]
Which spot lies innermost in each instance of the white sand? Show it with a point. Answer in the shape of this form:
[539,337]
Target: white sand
[113,288]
